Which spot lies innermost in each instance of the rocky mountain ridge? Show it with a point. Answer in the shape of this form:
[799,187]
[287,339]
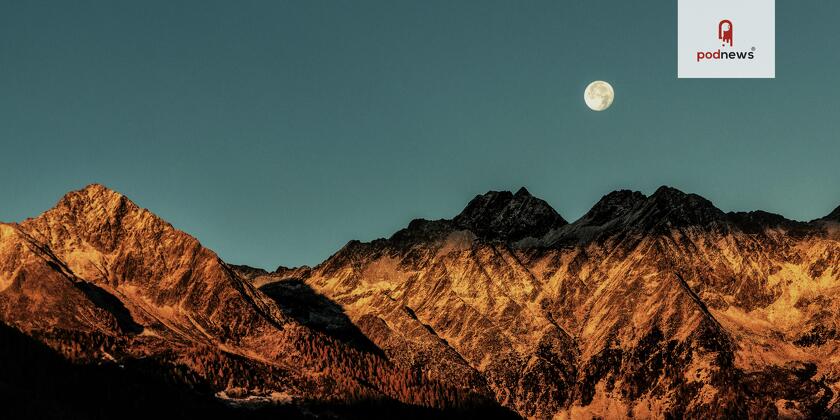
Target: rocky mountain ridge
[588,318]
[647,306]
[100,280]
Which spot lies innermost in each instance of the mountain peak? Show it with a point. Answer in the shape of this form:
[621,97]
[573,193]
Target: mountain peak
[97,188]
[670,207]
[522,192]
[612,206]
[506,216]
[670,193]
[92,194]
[666,208]
[98,214]
[94,199]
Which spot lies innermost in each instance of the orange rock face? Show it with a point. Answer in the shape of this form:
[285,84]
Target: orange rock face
[646,307]
[101,280]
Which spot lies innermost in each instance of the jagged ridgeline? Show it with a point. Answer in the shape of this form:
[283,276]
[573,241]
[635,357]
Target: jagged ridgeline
[647,306]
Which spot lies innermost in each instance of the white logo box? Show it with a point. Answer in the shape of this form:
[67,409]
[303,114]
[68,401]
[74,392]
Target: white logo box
[753,25]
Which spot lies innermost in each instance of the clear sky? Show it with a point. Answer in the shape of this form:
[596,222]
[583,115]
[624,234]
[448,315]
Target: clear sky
[276,131]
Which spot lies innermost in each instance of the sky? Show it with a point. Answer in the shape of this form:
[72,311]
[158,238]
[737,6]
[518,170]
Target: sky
[276,131]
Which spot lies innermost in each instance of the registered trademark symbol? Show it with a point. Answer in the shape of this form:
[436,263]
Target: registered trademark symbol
[753,48]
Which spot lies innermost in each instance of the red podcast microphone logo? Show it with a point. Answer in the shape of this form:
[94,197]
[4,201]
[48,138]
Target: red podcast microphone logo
[725,31]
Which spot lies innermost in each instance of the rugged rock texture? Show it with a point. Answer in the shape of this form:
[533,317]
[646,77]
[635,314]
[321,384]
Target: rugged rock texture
[505,216]
[659,306]
[100,280]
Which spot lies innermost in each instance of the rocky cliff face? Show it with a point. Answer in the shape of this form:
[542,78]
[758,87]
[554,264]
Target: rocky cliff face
[659,306]
[100,280]
[647,306]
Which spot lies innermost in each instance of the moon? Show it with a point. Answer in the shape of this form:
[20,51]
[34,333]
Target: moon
[599,95]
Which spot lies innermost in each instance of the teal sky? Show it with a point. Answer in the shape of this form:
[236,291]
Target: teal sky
[277,131]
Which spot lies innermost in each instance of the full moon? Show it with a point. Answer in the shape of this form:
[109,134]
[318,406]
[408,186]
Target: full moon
[599,95]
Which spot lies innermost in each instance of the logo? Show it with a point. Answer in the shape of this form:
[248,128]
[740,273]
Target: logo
[706,46]
[725,31]
[724,34]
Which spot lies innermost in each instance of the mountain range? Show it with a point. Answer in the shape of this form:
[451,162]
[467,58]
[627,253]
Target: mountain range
[659,306]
